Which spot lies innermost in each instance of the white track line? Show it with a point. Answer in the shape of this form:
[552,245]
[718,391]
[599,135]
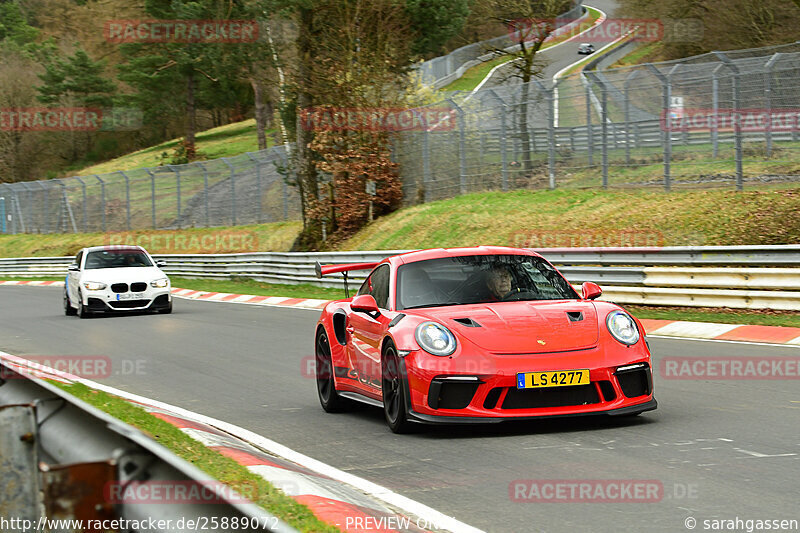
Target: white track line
[669,337]
[422,511]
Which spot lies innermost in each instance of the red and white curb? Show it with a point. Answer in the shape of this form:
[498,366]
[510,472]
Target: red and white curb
[348,502]
[657,328]
[722,332]
[302,303]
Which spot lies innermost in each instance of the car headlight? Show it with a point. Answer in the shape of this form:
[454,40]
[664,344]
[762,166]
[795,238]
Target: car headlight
[159,283]
[435,339]
[622,327]
[94,285]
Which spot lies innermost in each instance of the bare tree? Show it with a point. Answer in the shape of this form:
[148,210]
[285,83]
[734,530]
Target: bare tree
[529,23]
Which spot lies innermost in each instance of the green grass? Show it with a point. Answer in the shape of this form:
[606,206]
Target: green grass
[213,463]
[272,237]
[524,217]
[473,76]
[724,316]
[640,54]
[247,286]
[224,141]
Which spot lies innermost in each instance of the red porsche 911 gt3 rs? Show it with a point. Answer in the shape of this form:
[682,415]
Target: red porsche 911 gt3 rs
[480,334]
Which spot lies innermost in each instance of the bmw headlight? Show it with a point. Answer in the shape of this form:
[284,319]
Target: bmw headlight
[622,327]
[94,285]
[159,283]
[435,339]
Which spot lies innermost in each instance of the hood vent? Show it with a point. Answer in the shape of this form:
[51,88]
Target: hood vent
[575,316]
[467,322]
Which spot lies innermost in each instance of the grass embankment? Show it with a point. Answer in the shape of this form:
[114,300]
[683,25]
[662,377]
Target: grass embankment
[272,237]
[473,76]
[213,463]
[224,141]
[590,218]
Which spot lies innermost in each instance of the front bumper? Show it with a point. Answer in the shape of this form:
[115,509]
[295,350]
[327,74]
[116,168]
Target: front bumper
[649,405]
[489,393]
[107,301]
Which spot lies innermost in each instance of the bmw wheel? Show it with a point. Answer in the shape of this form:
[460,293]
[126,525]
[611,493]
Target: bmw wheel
[394,396]
[83,311]
[326,389]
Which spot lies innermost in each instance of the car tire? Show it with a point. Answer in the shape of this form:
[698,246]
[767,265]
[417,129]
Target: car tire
[394,392]
[167,310]
[83,311]
[68,309]
[326,387]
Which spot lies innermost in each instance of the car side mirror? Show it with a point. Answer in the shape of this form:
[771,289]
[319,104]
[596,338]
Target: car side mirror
[364,303]
[591,290]
[73,268]
[161,263]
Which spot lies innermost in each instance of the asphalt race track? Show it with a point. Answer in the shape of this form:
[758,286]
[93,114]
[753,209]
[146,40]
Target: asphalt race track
[721,449]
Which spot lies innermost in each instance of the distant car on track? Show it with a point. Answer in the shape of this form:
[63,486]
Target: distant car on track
[586,48]
[106,279]
[476,335]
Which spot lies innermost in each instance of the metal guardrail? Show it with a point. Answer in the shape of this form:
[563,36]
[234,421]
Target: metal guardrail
[59,455]
[718,276]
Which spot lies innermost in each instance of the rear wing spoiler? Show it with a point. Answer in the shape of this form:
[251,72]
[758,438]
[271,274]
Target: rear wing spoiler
[344,269]
[332,269]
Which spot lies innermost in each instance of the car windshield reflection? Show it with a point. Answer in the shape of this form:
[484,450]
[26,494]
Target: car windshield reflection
[117,259]
[479,279]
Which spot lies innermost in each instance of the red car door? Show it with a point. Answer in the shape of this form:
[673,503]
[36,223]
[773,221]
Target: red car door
[366,331]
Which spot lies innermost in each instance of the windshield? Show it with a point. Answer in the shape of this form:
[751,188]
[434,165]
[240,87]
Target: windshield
[479,279]
[117,259]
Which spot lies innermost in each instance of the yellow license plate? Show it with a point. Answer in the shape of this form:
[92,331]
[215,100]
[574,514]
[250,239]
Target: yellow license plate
[555,378]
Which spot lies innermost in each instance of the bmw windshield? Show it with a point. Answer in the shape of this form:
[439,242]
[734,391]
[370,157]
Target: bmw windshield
[479,279]
[117,259]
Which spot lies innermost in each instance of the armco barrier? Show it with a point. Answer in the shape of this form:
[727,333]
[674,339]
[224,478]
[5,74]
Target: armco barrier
[60,455]
[714,276]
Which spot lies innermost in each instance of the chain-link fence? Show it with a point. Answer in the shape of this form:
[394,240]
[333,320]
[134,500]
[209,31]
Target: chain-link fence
[728,118]
[245,189]
[724,119]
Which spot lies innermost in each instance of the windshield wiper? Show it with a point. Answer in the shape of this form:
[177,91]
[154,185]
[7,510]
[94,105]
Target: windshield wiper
[435,305]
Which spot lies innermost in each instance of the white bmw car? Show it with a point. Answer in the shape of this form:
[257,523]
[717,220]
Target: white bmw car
[104,279]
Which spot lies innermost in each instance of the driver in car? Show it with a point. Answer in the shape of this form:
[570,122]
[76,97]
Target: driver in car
[499,281]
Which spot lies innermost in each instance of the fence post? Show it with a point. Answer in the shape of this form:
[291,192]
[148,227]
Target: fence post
[462,147]
[177,192]
[503,137]
[233,190]
[627,101]
[426,158]
[737,126]
[715,106]
[68,216]
[102,200]
[3,214]
[603,124]
[258,184]
[551,131]
[768,98]
[205,189]
[46,217]
[589,129]
[152,196]
[127,199]
[666,122]
[83,193]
